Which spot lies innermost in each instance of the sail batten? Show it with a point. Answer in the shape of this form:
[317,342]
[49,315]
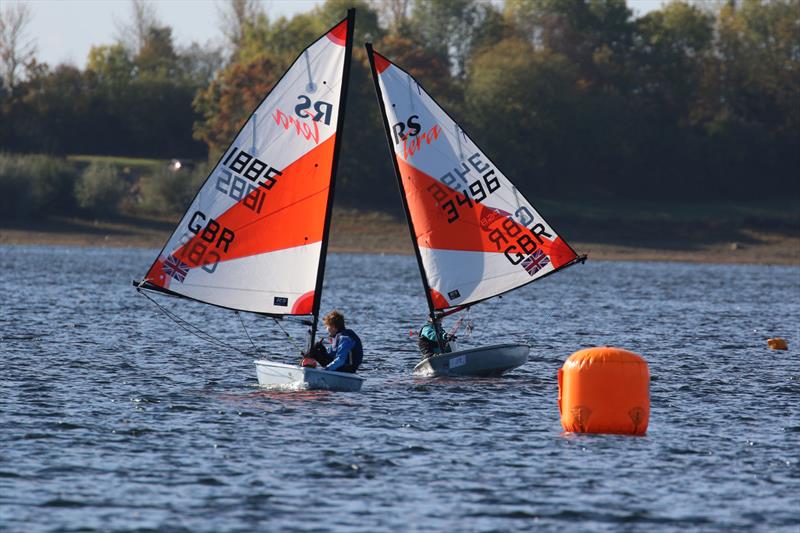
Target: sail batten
[254,237]
[475,235]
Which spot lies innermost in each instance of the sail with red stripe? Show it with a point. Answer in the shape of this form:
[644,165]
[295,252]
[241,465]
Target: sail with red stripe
[254,237]
[475,234]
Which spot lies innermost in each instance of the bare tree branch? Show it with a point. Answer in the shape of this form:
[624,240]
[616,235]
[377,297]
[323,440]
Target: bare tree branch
[16,49]
[393,13]
[133,33]
[234,15]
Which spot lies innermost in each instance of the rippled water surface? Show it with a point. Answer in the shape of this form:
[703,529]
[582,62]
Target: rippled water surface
[113,418]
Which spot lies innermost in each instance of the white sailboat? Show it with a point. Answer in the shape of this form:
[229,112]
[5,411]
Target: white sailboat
[254,238]
[475,235]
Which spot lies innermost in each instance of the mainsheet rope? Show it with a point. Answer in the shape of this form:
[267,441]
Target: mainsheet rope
[194,330]
[294,343]
[255,348]
[202,335]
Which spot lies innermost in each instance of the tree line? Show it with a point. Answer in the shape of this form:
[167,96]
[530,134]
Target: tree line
[570,98]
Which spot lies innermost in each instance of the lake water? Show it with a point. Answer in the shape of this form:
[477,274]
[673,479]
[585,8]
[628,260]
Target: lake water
[113,418]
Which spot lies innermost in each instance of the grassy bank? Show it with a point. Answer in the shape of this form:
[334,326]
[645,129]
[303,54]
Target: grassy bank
[713,233]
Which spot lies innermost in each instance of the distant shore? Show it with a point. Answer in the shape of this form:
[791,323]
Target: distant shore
[357,232]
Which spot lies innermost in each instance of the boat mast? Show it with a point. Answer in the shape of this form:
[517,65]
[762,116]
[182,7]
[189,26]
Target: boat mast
[431,310]
[393,156]
[351,16]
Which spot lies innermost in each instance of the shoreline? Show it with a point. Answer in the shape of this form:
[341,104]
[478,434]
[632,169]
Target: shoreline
[378,233]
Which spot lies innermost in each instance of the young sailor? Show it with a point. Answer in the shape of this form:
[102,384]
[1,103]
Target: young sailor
[346,353]
[428,343]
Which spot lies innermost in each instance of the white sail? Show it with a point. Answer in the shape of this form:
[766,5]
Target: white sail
[252,238]
[477,236]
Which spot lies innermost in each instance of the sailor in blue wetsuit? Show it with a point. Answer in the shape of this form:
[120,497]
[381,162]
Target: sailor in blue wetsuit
[428,343]
[346,353]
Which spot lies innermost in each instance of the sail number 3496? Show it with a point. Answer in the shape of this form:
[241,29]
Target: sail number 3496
[477,190]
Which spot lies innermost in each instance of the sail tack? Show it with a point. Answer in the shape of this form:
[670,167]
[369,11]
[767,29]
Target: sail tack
[252,238]
[477,236]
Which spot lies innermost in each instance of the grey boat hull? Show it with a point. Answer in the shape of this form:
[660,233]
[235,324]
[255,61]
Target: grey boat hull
[483,361]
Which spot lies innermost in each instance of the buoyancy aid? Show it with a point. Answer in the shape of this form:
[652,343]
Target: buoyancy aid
[356,354]
[428,332]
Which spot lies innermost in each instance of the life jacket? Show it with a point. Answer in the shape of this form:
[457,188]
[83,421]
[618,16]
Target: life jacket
[356,354]
[428,332]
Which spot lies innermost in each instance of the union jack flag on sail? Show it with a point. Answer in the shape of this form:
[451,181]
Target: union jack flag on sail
[534,263]
[176,268]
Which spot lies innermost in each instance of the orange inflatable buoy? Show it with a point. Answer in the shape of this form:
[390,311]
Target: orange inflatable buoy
[778,344]
[604,390]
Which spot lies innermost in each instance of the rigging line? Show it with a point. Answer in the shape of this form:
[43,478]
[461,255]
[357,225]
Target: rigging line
[454,328]
[188,327]
[255,348]
[291,339]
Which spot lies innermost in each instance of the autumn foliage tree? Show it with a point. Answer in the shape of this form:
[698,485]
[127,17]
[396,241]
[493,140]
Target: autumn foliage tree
[230,98]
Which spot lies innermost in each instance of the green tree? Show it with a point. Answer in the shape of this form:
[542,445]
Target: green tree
[111,65]
[671,51]
[157,56]
[450,29]
[751,105]
[521,106]
[199,64]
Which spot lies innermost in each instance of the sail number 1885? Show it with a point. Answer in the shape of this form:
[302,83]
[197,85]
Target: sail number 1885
[260,177]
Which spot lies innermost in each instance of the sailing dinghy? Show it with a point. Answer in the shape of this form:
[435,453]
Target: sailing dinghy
[254,239]
[475,235]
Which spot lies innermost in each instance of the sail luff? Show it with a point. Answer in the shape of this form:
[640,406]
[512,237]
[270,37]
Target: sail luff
[409,220]
[351,14]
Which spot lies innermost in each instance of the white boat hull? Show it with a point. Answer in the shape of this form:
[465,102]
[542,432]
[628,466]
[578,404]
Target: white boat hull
[293,377]
[483,361]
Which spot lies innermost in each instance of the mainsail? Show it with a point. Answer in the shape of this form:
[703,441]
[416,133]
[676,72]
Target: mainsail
[254,238]
[476,236]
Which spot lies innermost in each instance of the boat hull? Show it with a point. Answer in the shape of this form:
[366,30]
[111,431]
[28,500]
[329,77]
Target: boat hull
[292,377]
[483,361]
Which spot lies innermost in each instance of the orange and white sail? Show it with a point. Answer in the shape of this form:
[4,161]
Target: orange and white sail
[475,234]
[254,237]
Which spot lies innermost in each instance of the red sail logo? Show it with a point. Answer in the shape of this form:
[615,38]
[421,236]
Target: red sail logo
[414,145]
[302,128]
